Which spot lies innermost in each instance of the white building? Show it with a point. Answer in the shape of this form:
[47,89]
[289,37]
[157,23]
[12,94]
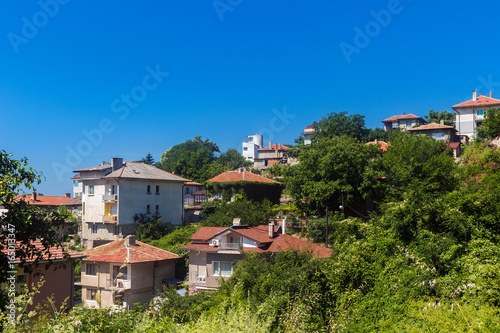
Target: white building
[404,122]
[114,193]
[251,146]
[77,186]
[308,131]
[470,114]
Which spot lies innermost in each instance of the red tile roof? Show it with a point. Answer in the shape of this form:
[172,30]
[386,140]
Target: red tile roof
[202,192]
[431,126]
[76,177]
[236,176]
[454,145]
[43,200]
[119,252]
[192,183]
[260,234]
[383,144]
[54,252]
[401,117]
[480,101]
[72,201]
[275,146]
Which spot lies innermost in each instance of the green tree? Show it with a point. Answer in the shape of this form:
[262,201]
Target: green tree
[336,124]
[24,222]
[378,134]
[252,213]
[490,128]
[150,227]
[149,159]
[333,168]
[231,159]
[436,117]
[190,159]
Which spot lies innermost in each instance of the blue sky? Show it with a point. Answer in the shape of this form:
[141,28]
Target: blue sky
[84,81]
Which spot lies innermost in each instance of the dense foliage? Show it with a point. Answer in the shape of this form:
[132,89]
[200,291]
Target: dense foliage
[490,127]
[221,213]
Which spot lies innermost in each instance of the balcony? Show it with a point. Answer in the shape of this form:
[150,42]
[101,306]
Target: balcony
[110,198]
[229,246]
[118,285]
[197,278]
[110,219]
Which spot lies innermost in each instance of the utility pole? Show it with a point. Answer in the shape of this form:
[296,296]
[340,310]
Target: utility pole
[326,240]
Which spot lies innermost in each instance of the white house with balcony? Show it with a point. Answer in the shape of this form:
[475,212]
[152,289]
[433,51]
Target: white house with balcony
[113,193]
[470,114]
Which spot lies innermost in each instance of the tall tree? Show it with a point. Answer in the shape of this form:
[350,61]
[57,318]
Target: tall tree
[232,159]
[436,117]
[190,159]
[336,124]
[490,127]
[149,159]
[332,169]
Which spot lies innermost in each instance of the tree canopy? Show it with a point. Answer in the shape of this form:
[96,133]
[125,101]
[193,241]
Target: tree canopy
[336,124]
[490,128]
[436,117]
[149,159]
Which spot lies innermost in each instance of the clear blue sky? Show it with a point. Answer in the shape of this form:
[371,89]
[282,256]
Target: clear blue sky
[86,66]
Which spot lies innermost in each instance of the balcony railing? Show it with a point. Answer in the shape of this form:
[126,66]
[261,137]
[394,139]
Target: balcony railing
[110,197]
[118,284]
[110,219]
[229,246]
[197,278]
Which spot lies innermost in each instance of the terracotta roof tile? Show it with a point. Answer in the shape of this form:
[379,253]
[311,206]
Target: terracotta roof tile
[55,252]
[43,200]
[119,252]
[236,176]
[76,177]
[401,117]
[72,201]
[431,126]
[287,242]
[480,101]
[383,144]
[203,234]
[193,183]
[275,146]
[453,145]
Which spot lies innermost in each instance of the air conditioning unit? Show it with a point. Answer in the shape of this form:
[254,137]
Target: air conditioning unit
[215,242]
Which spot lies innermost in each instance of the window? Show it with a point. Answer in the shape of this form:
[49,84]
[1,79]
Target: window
[480,112]
[148,189]
[245,148]
[157,209]
[91,269]
[91,294]
[21,278]
[119,272]
[148,209]
[117,230]
[222,268]
[94,228]
[91,189]
[157,189]
[114,189]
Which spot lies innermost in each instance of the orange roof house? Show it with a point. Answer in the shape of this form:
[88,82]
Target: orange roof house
[383,144]
[267,156]
[404,121]
[58,284]
[125,272]
[213,251]
[255,187]
[45,201]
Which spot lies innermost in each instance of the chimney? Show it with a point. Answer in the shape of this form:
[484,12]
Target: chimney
[283,225]
[490,93]
[474,95]
[33,196]
[271,229]
[376,141]
[130,241]
[116,163]
[68,195]
[441,121]
[270,144]
[236,222]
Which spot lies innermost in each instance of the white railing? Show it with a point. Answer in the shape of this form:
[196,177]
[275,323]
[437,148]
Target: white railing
[197,278]
[229,246]
[110,197]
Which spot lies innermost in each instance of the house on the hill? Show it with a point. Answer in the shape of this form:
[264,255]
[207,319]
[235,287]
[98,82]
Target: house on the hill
[383,145]
[255,187]
[58,284]
[125,272]
[114,193]
[270,155]
[470,114]
[438,131]
[307,134]
[213,251]
[403,122]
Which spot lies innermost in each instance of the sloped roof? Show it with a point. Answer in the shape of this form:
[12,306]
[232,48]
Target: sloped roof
[480,101]
[119,252]
[432,126]
[191,183]
[103,166]
[202,192]
[56,253]
[401,117]
[139,170]
[76,177]
[236,176]
[72,201]
[42,200]
[275,146]
[383,144]
[453,145]
[260,233]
